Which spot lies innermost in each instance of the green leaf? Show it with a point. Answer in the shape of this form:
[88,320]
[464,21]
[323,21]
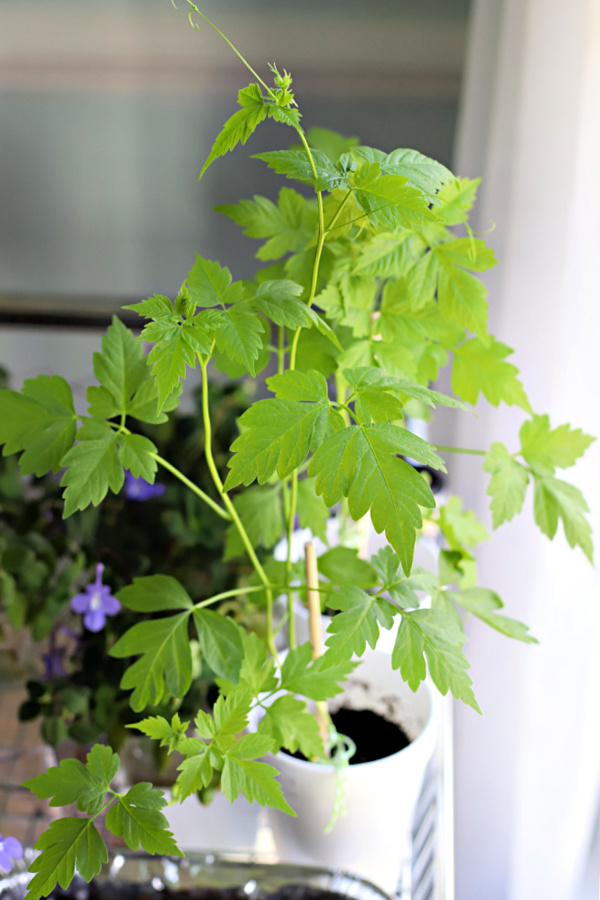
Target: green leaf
[358,624]
[312,512]
[317,680]
[236,130]
[420,171]
[154,593]
[456,199]
[208,282]
[255,780]
[157,728]
[330,142]
[485,605]
[137,455]
[278,301]
[261,512]
[220,642]
[138,820]
[72,782]
[196,773]
[238,333]
[507,485]
[391,203]
[461,295]
[145,403]
[342,565]
[41,420]
[545,449]
[461,528]
[286,225]
[177,345]
[436,636]
[480,367]
[121,367]
[554,499]
[296,164]
[94,467]
[69,844]
[361,463]
[384,255]
[370,378]
[165,664]
[299,386]
[288,722]
[279,434]
[258,669]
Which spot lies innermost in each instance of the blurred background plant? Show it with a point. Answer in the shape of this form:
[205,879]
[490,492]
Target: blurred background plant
[72,683]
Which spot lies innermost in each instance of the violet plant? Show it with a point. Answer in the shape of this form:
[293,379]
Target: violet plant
[369,289]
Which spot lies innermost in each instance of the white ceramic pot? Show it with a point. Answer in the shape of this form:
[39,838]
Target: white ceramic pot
[372,837]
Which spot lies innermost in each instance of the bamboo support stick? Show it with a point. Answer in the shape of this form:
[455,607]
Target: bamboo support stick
[316,635]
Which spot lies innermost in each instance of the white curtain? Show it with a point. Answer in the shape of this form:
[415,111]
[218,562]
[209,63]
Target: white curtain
[528,772]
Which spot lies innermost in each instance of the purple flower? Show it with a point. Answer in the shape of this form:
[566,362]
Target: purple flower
[53,664]
[10,848]
[140,489]
[96,602]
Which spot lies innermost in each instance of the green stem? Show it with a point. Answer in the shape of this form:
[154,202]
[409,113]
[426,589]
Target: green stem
[460,450]
[337,212]
[231,508]
[228,42]
[234,592]
[193,487]
[293,501]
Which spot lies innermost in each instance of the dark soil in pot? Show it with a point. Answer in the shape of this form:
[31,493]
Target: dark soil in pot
[374,736]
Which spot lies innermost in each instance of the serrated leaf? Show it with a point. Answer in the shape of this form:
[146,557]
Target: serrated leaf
[94,467]
[359,622]
[391,203]
[342,565]
[485,605]
[278,301]
[138,820]
[41,420]
[286,225]
[384,255]
[545,449]
[360,463]
[461,528]
[196,772]
[236,130]
[255,780]
[480,367]
[461,295]
[70,782]
[296,164]
[258,669]
[231,715]
[154,593]
[421,172]
[433,635]
[456,199]
[121,367]
[69,844]
[208,282]
[220,642]
[101,403]
[144,404]
[370,378]
[288,722]
[554,499]
[177,345]
[299,386]
[137,455]
[279,434]
[238,333]
[317,680]
[507,485]
[261,512]
[165,663]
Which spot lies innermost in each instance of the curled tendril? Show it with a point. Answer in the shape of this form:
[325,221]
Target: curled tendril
[194,25]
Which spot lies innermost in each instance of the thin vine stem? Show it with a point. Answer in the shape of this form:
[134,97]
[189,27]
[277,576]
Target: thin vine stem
[193,487]
[233,592]
[231,508]
[460,450]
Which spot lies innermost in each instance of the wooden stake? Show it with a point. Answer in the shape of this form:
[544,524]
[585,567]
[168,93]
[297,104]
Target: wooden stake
[316,636]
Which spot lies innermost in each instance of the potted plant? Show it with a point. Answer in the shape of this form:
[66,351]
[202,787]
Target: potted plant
[368,292]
